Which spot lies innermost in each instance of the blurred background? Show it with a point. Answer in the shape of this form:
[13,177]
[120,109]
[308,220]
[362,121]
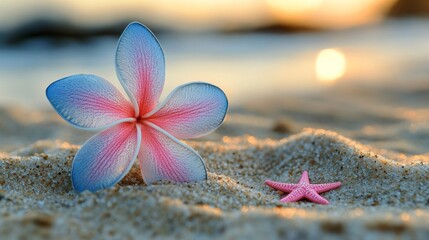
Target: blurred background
[358,67]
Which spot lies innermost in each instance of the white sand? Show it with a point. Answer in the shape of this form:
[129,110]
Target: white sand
[380,196]
[385,180]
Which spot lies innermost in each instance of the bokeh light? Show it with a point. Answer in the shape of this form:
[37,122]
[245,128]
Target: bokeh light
[202,15]
[328,14]
[330,65]
[295,6]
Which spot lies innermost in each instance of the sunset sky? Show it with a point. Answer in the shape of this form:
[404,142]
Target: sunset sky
[190,15]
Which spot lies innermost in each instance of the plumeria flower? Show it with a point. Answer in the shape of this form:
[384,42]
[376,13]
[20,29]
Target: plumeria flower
[137,127]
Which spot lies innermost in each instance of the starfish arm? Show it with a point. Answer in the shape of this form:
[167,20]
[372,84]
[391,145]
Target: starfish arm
[320,188]
[304,178]
[294,196]
[284,187]
[313,196]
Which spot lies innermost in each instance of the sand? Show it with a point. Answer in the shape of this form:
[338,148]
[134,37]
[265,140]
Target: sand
[374,139]
[380,196]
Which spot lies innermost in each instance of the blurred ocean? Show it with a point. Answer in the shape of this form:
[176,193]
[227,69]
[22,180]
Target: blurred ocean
[246,66]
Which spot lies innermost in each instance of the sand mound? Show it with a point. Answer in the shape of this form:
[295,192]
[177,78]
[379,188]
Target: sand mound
[379,195]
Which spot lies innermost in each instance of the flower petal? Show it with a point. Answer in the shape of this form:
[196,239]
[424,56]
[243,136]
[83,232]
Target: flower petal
[140,66]
[106,158]
[191,110]
[88,101]
[163,157]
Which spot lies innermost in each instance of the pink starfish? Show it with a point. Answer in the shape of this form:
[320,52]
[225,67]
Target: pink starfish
[303,189]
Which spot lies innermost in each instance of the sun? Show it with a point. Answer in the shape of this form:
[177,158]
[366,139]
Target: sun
[330,65]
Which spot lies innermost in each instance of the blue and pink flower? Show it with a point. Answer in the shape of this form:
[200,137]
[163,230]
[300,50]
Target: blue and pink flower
[137,127]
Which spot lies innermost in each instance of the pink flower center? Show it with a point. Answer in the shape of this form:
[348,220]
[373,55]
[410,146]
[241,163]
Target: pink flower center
[140,119]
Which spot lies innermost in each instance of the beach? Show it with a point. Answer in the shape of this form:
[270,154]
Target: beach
[384,190]
[368,129]
[379,196]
